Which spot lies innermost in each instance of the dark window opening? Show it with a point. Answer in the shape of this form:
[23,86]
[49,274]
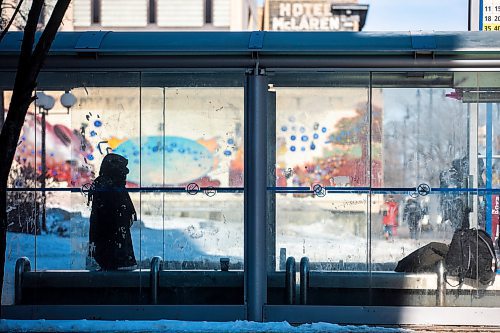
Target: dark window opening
[208,11]
[96,11]
[152,11]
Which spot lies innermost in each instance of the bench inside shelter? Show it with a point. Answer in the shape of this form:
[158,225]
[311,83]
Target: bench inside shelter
[386,288]
[145,286]
[191,287]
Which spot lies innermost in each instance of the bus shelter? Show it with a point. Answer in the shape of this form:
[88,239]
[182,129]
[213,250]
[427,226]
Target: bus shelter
[276,176]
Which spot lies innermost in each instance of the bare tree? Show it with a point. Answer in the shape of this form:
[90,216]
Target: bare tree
[31,58]
[8,22]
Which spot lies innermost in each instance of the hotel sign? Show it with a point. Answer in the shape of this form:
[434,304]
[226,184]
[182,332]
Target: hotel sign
[302,16]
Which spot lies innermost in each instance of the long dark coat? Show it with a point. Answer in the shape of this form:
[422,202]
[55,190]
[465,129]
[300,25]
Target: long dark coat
[113,213]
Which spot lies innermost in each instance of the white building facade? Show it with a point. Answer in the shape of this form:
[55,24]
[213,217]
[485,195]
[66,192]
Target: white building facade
[165,15]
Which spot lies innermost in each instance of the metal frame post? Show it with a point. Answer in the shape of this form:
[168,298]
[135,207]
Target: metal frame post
[488,168]
[290,281]
[44,174]
[441,284]
[255,194]
[154,277]
[271,181]
[473,163]
[22,265]
[304,279]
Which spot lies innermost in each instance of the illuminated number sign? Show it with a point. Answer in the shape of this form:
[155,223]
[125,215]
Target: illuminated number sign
[489,15]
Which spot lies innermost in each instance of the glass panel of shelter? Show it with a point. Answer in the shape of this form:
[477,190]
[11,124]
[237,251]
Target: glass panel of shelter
[197,140]
[25,200]
[22,203]
[192,180]
[322,180]
[88,114]
[417,153]
[480,91]
[434,171]
[422,140]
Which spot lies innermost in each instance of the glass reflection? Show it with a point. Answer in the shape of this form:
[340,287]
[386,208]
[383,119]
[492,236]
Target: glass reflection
[323,142]
[418,163]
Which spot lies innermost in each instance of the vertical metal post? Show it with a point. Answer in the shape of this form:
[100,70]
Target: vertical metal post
[290,281]
[473,123]
[154,276]
[417,151]
[271,181]
[44,172]
[488,166]
[441,285]
[282,259]
[304,279]
[22,265]
[255,194]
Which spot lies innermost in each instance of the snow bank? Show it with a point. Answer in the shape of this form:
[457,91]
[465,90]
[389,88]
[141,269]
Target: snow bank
[172,326]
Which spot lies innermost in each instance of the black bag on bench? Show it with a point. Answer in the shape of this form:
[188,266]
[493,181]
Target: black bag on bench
[471,255]
[424,259]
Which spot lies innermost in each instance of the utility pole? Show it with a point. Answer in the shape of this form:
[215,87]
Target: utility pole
[417,151]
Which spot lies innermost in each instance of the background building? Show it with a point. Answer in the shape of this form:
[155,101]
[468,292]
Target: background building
[163,15]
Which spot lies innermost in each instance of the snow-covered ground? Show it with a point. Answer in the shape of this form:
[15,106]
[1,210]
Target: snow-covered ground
[173,326]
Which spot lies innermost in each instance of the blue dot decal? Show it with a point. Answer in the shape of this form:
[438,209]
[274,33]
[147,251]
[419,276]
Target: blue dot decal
[323,129]
[93,133]
[303,148]
[292,148]
[304,138]
[302,129]
[90,157]
[227,152]
[97,123]
[315,135]
[284,128]
[313,146]
[293,137]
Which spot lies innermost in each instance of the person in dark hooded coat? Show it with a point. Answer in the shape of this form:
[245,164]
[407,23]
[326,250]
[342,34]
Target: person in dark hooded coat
[113,213]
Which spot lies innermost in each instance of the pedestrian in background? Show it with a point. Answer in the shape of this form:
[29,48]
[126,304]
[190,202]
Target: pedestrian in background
[390,211]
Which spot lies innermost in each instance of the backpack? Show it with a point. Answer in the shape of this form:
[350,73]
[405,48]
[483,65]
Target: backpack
[424,259]
[471,255]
